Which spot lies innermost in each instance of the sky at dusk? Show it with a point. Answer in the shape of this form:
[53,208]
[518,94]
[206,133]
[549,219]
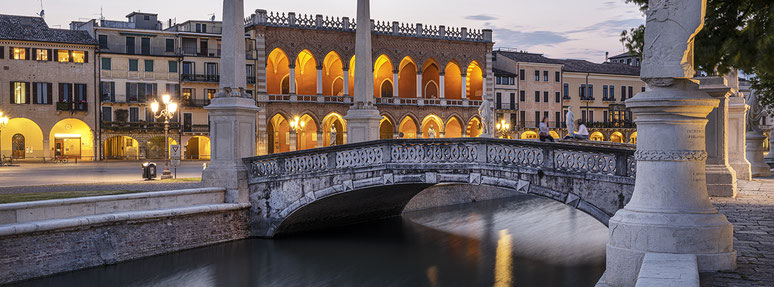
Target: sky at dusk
[583,29]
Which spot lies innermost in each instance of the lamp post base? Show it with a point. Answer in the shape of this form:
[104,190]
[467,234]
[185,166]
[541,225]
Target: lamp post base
[166,174]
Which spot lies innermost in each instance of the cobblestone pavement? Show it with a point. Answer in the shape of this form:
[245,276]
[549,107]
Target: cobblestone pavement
[752,214]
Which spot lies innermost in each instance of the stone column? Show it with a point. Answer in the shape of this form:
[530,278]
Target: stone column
[293,141]
[770,158]
[758,166]
[464,94]
[721,178]
[419,85]
[262,138]
[395,84]
[737,135]
[319,80]
[442,86]
[232,112]
[345,91]
[46,149]
[670,211]
[363,116]
[320,139]
[292,79]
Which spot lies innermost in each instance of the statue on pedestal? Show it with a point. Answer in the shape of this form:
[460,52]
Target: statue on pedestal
[485,111]
[332,136]
[431,133]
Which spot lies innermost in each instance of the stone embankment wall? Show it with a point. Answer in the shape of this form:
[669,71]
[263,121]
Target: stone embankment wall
[67,235]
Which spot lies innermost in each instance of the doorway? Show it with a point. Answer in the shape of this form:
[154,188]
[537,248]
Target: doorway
[18,146]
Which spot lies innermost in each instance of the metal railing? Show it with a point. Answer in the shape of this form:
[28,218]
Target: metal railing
[201,78]
[72,106]
[196,102]
[138,126]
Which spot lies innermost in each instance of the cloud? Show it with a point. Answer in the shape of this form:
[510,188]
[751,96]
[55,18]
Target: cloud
[612,26]
[481,17]
[524,40]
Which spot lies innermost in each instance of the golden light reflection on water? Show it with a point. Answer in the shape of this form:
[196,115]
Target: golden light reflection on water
[432,275]
[504,260]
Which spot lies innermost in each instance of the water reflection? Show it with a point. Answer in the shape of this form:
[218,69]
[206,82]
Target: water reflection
[522,241]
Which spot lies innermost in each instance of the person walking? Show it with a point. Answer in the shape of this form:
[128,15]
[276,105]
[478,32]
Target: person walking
[545,135]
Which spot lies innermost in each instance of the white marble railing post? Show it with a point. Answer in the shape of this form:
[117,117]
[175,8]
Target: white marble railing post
[737,136]
[721,178]
[670,210]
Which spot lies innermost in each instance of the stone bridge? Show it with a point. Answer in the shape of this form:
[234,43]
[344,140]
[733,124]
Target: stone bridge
[351,183]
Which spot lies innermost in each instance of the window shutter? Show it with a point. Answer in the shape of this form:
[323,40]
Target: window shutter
[34,54]
[27,93]
[26,53]
[2,52]
[85,56]
[50,94]
[61,92]
[50,54]
[35,93]
[11,93]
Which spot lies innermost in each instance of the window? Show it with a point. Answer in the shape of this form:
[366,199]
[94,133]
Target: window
[172,90]
[513,81]
[80,93]
[250,74]
[65,93]
[499,101]
[134,114]
[558,119]
[211,69]
[63,56]
[146,17]
[108,91]
[604,116]
[2,52]
[537,75]
[604,92]
[145,46]
[130,45]
[545,115]
[643,89]
[41,55]
[173,66]
[42,92]
[583,116]
[631,92]
[498,80]
[612,93]
[514,119]
[211,93]
[188,68]
[170,45]
[623,93]
[522,74]
[21,92]
[198,28]
[19,54]
[590,94]
[545,97]
[103,42]
[545,76]
[537,118]
[107,114]
[149,65]
[79,57]
[537,96]
[582,91]
[187,94]
[558,97]
[566,91]
[558,77]
[522,96]
[106,64]
[133,65]
[513,101]
[591,116]
[523,116]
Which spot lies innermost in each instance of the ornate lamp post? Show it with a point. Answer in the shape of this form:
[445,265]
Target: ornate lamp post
[3,123]
[503,127]
[170,107]
[297,126]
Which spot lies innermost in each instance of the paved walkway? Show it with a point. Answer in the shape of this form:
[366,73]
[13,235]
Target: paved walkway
[752,214]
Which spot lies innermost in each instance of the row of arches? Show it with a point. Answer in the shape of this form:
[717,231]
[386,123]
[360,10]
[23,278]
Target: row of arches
[23,139]
[128,148]
[616,137]
[332,130]
[306,75]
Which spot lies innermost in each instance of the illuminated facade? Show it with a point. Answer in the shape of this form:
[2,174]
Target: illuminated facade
[47,88]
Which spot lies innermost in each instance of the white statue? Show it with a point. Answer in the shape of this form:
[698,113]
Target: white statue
[755,114]
[431,133]
[485,111]
[332,136]
[570,121]
[672,28]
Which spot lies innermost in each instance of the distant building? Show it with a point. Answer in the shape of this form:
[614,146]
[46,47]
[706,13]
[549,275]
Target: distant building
[625,58]
[47,88]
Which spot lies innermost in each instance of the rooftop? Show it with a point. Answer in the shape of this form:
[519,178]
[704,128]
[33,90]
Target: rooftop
[573,65]
[529,57]
[499,72]
[622,55]
[25,28]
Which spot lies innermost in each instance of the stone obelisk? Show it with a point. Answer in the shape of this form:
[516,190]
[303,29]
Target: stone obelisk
[232,111]
[670,212]
[721,178]
[363,116]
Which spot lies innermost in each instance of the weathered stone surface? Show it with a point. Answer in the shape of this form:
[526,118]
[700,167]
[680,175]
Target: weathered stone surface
[668,270]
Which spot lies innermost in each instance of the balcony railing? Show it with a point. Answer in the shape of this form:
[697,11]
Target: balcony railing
[138,126]
[196,102]
[196,128]
[127,99]
[72,106]
[250,80]
[201,78]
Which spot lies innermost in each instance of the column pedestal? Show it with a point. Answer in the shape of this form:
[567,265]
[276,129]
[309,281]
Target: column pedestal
[670,210]
[362,125]
[721,178]
[770,158]
[758,166]
[737,127]
[232,123]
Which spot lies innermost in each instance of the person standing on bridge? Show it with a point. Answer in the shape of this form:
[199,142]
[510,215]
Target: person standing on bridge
[545,135]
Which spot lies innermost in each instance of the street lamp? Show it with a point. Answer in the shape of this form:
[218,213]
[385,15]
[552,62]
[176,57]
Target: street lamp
[3,123]
[170,107]
[503,127]
[297,126]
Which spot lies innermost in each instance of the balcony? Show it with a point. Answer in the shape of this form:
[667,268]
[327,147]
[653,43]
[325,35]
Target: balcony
[138,126]
[196,128]
[197,103]
[72,106]
[201,78]
[587,98]
[250,80]
[127,99]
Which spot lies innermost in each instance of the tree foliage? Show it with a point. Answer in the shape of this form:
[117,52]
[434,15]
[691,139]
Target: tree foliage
[737,34]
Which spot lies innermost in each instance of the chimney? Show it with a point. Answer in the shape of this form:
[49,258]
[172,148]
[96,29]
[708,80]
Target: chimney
[170,23]
[607,55]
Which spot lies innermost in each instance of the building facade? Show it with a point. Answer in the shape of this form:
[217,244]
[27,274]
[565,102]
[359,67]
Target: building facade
[48,89]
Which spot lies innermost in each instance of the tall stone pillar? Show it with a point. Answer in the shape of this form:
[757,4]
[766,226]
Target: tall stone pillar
[363,116]
[319,80]
[442,86]
[770,158]
[232,112]
[419,85]
[756,138]
[464,83]
[721,178]
[292,79]
[395,84]
[345,88]
[737,137]
[670,211]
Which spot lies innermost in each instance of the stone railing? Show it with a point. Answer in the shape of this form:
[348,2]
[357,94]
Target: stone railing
[320,22]
[455,153]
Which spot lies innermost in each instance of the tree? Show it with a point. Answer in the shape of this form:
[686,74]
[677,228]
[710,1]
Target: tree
[737,34]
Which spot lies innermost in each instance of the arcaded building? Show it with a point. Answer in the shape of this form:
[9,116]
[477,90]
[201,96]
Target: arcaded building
[47,88]
[428,80]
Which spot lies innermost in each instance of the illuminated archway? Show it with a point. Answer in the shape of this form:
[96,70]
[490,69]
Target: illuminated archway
[597,136]
[617,137]
[386,129]
[382,73]
[408,127]
[333,73]
[72,138]
[337,121]
[434,122]
[352,76]
[529,135]
[279,134]
[475,82]
[121,148]
[452,81]
[453,128]
[633,138]
[306,74]
[33,138]
[198,147]
[430,78]
[306,138]
[277,72]
[407,78]
[154,148]
[385,89]
[474,128]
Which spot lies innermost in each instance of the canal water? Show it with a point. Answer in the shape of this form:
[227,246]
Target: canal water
[520,241]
